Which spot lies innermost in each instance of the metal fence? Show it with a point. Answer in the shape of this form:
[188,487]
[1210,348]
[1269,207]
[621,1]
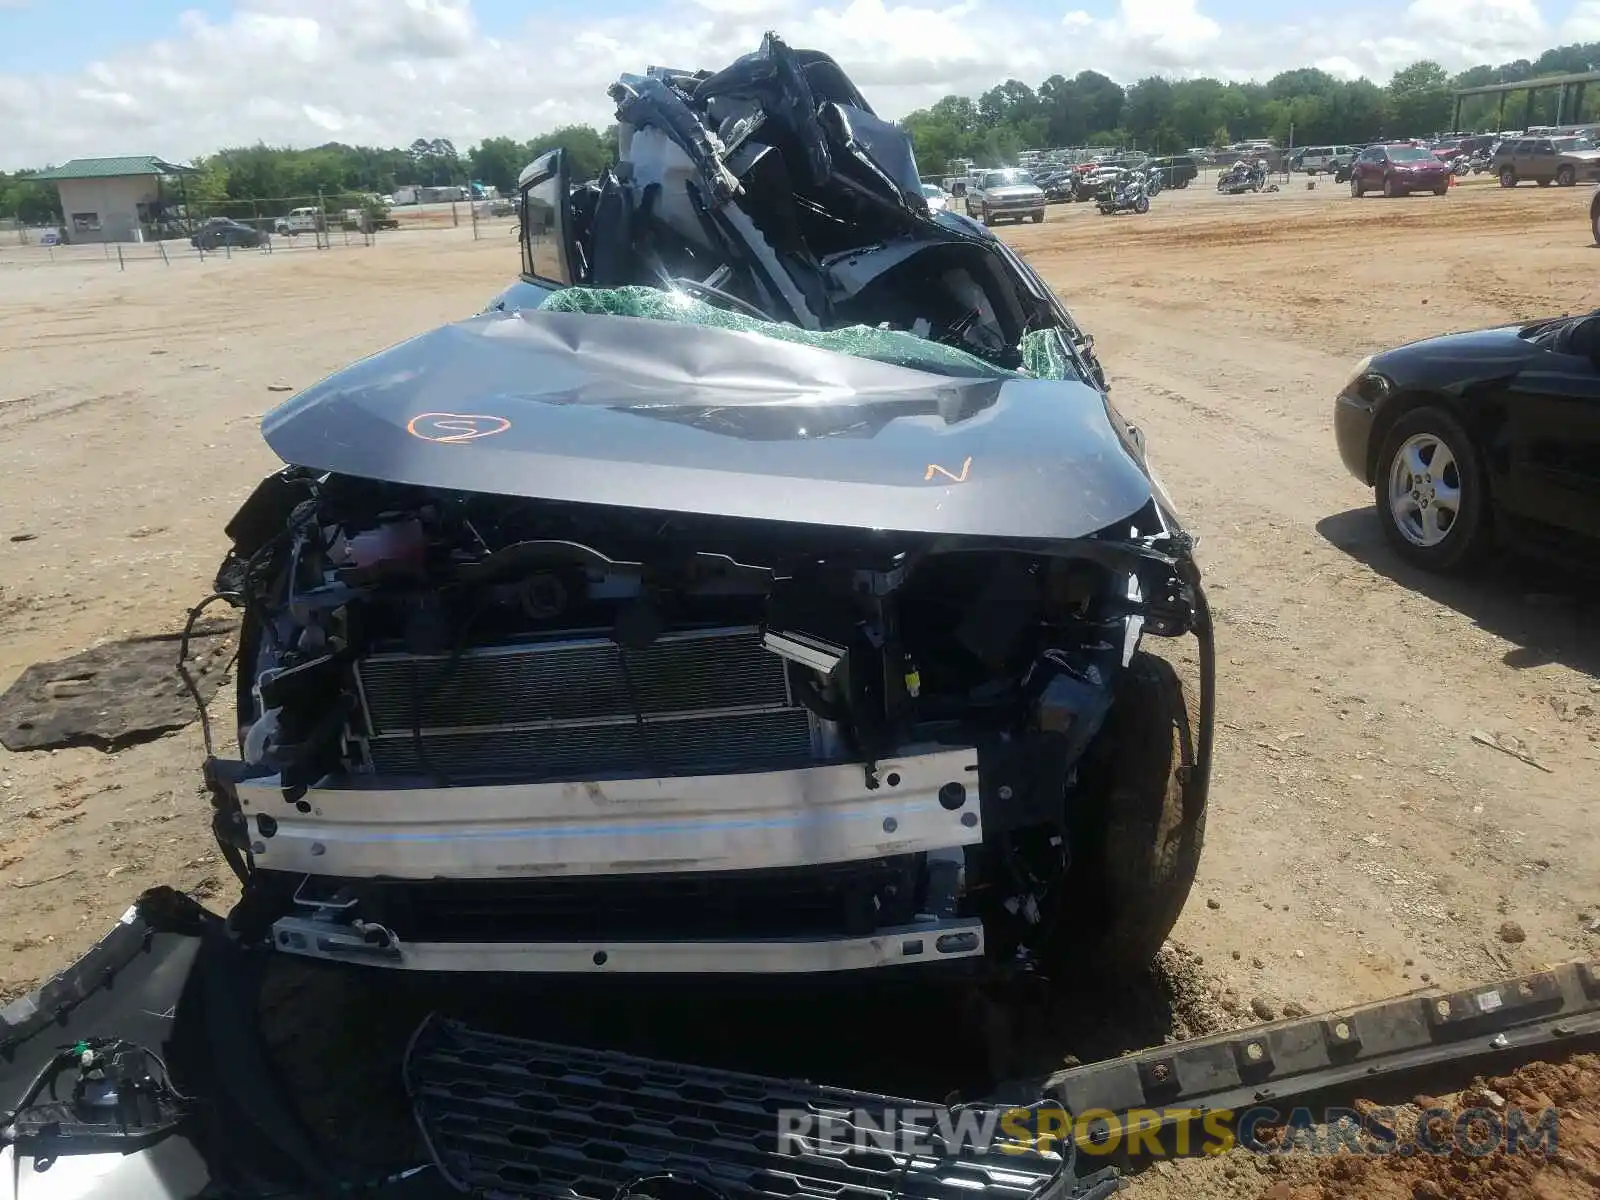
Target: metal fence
[285,226]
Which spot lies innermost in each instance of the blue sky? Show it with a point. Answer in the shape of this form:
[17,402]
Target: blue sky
[182,77]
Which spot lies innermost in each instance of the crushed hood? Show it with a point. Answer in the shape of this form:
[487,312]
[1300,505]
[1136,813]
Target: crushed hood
[648,414]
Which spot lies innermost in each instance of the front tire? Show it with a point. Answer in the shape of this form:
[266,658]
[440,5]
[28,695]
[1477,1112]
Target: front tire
[1566,176]
[1141,205]
[1508,177]
[1356,190]
[1135,828]
[1038,217]
[1432,492]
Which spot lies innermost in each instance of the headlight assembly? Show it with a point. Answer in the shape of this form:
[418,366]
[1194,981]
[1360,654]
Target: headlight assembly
[1365,383]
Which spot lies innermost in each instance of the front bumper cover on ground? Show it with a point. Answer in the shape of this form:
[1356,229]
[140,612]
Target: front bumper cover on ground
[169,977]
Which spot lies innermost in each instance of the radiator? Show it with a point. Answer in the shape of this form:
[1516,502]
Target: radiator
[700,701]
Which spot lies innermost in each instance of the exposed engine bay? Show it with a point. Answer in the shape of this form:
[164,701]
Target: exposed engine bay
[434,668]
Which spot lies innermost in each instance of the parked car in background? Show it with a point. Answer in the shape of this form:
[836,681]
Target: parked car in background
[1316,160]
[1177,171]
[1546,160]
[217,232]
[303,220]
[1398,170]
[935,196]
[1468,435]
[1010,192]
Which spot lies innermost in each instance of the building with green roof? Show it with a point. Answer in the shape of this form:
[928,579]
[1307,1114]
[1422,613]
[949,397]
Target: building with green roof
[115,199]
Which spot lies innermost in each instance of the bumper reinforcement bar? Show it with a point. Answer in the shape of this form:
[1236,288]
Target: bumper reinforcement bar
[927,942]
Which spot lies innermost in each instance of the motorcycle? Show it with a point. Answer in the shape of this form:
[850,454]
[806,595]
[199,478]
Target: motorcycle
[1154,183]
[1245,176]
[1129,193]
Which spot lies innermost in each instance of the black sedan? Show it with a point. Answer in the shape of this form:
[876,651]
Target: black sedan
[1471,435]
[221,231]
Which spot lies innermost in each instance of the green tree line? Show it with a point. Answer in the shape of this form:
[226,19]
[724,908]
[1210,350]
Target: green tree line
[1088,109]
[1167,116]
[261,180]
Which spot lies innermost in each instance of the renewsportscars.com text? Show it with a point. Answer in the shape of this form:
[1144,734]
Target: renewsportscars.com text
[1170,1132]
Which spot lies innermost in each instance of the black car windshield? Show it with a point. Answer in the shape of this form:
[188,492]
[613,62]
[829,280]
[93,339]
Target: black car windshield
[1408,154]
[999,179]
[1579,335]
[1568,144]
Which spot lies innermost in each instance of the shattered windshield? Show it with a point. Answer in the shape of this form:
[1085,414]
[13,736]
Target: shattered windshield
[1000,179]
[1040,351]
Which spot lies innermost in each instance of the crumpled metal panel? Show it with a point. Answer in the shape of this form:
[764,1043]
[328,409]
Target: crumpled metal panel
[654,415]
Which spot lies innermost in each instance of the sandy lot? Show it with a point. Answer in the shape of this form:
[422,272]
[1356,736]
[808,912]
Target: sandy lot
[1361,844]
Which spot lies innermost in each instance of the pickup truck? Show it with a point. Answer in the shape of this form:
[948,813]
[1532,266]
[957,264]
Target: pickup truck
[1009,192]
[368,220]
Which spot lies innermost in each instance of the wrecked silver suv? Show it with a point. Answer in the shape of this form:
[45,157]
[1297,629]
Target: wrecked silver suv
[757,586]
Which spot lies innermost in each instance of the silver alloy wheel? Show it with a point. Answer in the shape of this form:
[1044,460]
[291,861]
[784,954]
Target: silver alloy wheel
[1424,490]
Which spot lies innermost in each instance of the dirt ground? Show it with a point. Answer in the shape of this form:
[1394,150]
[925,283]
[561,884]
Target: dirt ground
[1361,843]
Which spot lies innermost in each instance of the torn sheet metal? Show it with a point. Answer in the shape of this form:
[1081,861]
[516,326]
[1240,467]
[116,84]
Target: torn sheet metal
[647,414]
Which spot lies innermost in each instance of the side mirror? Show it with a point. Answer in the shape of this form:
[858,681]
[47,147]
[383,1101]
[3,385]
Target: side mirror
[546,225]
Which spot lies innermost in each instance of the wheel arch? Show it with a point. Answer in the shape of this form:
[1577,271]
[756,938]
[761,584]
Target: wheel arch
[1470,417]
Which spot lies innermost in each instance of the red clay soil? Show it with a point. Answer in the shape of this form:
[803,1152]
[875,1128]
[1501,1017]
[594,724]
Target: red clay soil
[1571,1172]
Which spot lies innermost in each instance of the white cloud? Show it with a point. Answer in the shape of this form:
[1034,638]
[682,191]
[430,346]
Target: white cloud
[1164,35]
[1482,30]
[386,71]
[1582,23]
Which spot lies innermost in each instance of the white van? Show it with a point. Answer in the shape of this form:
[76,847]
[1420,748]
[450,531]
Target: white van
[303,220]
[1314,159]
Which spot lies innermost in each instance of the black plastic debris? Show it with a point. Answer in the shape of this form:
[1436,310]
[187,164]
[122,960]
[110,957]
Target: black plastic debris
[115,695]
